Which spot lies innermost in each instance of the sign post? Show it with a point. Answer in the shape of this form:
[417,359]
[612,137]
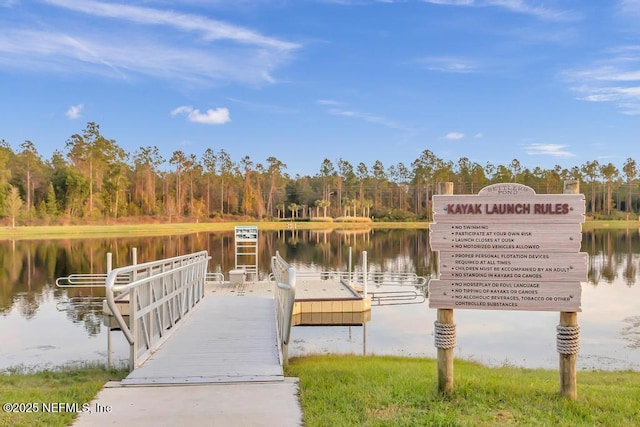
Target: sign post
[445,330]
[568,335]
[508,248]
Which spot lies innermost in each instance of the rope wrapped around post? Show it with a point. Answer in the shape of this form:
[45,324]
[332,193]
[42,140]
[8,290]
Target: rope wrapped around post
[568,339]
[444,335]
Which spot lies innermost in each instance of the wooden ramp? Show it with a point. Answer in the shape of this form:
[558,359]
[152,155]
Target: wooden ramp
[226,339]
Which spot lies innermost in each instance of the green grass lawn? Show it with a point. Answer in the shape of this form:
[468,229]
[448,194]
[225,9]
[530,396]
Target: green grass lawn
[380,391]
[394,391]
[44,395]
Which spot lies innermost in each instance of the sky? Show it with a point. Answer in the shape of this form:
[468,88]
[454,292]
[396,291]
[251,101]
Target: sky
[546,82]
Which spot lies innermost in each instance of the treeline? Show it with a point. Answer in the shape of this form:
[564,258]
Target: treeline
[94,179]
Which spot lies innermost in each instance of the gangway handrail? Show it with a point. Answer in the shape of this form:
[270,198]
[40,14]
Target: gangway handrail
[284,299]
[88,280]
[397,297]
[215,277]
[161,293]
[391,278]
[374,277]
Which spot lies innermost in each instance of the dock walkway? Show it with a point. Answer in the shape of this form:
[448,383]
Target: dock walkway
[221,367]
[226,339]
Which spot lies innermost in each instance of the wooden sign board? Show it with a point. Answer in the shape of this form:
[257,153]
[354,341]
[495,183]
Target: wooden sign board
[496,237]
[508,248]
[513,266]
[513,203]
[503,295]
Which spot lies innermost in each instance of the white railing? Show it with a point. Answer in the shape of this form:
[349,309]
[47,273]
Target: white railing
[215,278]
[395,279]
[87,280]
[94,280]
[285,295]
[161,293]
[390,288]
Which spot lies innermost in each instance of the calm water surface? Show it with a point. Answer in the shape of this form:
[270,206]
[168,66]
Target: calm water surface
[42,326]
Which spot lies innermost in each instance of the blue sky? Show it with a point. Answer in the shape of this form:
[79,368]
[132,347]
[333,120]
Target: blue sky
[545,82]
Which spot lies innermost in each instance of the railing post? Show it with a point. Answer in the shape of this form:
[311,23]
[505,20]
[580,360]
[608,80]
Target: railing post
[365,276]
[109,355]
[569,321]
[349,267]
[133,328]
[284,300]
[191,268]
[445,319]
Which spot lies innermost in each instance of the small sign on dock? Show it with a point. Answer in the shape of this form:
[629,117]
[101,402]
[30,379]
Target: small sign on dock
[246,241]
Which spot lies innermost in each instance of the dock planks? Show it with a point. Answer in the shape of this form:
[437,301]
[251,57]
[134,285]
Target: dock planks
[226,339]
[231,335]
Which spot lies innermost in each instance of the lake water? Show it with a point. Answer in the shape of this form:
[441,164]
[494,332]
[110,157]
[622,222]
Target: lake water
[43,326]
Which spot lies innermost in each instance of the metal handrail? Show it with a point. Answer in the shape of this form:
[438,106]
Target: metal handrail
[86,280]
[392,278]
[285,295]
[374,278]
[397,297]
[161,293]
[215,277]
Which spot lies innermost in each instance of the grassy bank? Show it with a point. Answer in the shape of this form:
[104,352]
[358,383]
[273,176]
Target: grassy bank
[43,394]
[382,391]
[136,230]
[393,391]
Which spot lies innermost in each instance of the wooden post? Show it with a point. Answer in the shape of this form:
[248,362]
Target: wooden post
[445,316]
[568,370]
[445,356]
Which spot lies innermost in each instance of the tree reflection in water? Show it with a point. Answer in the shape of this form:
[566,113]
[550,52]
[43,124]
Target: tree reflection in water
[28,269]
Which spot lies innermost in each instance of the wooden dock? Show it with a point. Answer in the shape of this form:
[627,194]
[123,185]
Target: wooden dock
[230,339]
[318,302]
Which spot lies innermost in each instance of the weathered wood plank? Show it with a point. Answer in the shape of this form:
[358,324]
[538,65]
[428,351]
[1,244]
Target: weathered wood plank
[492,208]
[485,265]
[509,237]
[503,295]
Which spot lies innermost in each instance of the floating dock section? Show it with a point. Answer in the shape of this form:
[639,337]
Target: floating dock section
[319,301]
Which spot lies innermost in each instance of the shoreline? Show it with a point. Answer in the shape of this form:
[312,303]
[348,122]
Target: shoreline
[167,229]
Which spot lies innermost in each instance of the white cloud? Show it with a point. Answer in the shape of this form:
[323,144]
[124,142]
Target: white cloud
[74,111]
[516,6]
[125,42]
[371,118]
[219,116]
[478,135]
[208,28]
[328,102]
[448,64]
[454,135]
[614,79]
[119,57]
[630,6]
[553,150]
[452,2]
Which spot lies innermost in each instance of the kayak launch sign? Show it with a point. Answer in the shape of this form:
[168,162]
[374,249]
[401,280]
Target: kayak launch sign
[508,248]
